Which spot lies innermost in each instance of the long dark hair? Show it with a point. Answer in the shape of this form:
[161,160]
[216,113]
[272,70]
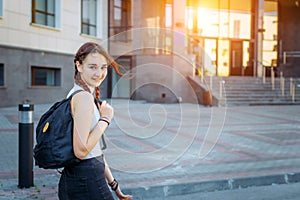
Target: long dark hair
[83,51]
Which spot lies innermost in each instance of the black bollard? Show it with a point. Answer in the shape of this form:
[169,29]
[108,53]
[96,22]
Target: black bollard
[26,128]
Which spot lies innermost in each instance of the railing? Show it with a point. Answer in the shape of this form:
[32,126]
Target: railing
[294,83]
[270,65]
[290,54]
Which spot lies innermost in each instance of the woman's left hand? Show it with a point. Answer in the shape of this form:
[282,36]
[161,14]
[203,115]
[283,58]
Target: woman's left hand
[122,196]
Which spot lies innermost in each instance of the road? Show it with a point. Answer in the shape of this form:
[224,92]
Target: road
[271,192]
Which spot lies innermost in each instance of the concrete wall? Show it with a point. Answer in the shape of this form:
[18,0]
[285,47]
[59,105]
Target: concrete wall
[17,76]
[158,78]
[162,78]
[18,62]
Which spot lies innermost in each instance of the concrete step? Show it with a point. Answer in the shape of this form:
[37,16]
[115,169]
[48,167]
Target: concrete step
[257,103]
[248,91]
[255,94]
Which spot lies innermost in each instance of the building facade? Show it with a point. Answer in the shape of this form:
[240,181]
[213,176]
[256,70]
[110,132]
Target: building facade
[204,37]
[38,40]
[159,42]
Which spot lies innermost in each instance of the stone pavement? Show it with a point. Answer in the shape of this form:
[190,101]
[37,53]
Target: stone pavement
[163,150]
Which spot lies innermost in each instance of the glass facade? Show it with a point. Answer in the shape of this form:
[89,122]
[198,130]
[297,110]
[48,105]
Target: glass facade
[120,20]
[222,37]
[222,30]
[270,34]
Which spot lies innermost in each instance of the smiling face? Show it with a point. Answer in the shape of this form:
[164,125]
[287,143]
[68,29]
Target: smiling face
[93,69]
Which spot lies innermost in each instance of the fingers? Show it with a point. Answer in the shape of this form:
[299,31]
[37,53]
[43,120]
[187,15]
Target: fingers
[103,103]
[106,110]
[122,196]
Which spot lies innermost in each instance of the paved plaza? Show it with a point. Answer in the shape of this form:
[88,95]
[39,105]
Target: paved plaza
[164,150]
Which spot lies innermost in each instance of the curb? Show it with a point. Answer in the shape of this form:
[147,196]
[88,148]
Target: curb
[49,192]
[163,191]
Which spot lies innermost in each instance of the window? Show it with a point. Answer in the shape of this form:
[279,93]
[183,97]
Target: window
[1,74]
[169,15]
[120,20]
[1,8]
[89,17]
[117,9]
[236,28]
[42,76]
[46,12]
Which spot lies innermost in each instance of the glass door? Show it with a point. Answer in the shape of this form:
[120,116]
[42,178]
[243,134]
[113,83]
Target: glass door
[121,86]
[210,57]
[236,58]
[223,58]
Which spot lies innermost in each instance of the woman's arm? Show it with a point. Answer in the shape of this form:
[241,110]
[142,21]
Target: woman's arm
[114,184]
[83,109]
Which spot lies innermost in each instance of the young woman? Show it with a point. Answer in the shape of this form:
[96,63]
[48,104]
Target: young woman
[91,177]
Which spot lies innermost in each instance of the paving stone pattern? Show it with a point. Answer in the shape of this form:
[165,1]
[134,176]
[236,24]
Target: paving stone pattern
[163,150]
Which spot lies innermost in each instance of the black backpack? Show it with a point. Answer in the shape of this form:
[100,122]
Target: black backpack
[54,137]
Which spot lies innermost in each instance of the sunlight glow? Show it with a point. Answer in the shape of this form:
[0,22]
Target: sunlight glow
[218,29]
[168,15]
[189,18]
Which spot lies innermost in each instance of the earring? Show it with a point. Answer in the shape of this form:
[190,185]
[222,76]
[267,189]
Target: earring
[77,63]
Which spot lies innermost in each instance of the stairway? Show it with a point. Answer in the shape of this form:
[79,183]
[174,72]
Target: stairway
[245,91]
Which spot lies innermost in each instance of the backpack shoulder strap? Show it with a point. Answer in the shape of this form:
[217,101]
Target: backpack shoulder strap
[102,137]
[75,92]
[96,101]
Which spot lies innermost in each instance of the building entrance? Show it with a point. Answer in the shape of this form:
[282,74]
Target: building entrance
[224,57]
[236,58]
[120,87]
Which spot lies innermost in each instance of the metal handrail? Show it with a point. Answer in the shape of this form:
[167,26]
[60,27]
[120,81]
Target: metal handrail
[294,54]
